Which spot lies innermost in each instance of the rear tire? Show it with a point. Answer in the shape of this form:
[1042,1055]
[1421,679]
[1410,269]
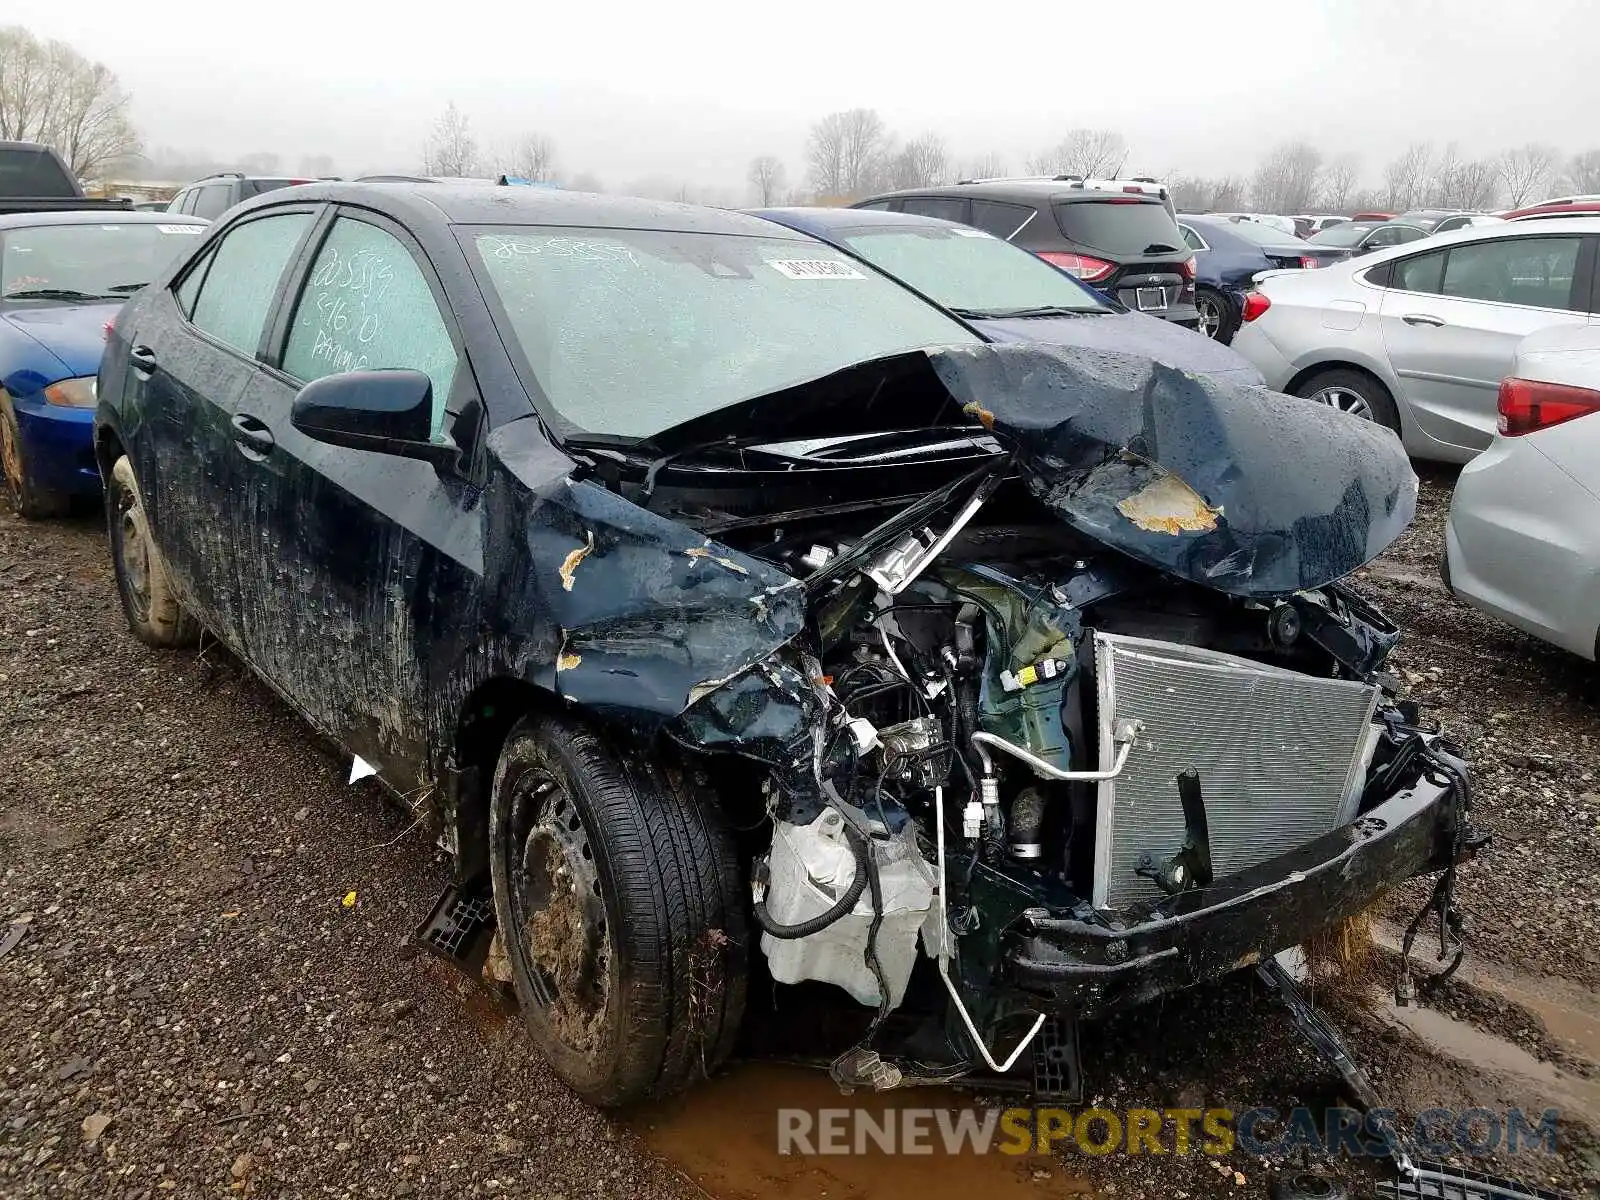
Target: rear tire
[619,902]
[28,499]
[1219,318]
[1354,392]
[144,586]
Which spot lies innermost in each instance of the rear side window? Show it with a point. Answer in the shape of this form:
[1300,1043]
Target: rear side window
[876,205]
[176,204]
[1119,226]
[946,208]
[1420,274]
[242,281]
[367,306]
[1192,239]
[212,201]
[1533,271]
[1000,219]
[254,187]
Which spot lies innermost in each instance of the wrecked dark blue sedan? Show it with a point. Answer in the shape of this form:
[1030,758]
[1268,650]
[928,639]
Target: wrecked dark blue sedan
[730,611]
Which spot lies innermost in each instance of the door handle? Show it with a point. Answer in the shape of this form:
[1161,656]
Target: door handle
[143,361]
[1432,322]
[252,436]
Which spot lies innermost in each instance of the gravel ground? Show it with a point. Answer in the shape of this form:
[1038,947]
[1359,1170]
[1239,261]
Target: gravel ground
[212,994]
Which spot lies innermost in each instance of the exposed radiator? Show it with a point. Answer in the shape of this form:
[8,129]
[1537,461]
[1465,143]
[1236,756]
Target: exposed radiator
[1279,755]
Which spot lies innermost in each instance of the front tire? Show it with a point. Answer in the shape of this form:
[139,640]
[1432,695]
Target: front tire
[1354,392]
[618,897]
[144,585]
[30,501]
[1219,319]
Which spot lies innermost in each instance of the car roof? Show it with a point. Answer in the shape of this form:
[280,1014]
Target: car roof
[815,219]
[102,216]
[1031,189]
[474,204]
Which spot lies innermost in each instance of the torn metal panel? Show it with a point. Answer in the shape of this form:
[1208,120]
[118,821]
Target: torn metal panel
[1233,487]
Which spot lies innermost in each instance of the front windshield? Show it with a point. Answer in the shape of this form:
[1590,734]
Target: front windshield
[109,260]
[970,271]
[633,331]
[1347,234]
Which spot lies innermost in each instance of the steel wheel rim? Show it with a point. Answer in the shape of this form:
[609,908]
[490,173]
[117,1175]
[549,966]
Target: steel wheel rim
[1345,400]
[1210,316]
[133,549]
[559,930]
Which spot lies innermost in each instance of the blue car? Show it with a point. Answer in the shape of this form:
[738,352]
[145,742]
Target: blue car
[1229,254]
[1004,292]
[63,276]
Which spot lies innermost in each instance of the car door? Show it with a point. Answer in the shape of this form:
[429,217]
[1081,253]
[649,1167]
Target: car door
[356,561]
[192,350]
[1451,319]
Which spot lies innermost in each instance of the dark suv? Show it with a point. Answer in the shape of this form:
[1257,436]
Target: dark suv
[216,194]
[1126,244]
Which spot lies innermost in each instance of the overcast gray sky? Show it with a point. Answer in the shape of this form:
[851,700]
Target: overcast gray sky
[638,88]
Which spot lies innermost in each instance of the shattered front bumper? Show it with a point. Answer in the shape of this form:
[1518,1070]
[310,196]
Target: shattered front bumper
[1089,967]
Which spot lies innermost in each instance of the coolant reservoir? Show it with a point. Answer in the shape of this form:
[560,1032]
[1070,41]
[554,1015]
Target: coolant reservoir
[809,867]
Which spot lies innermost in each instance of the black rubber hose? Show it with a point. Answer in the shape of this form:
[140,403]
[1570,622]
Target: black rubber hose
[846,902]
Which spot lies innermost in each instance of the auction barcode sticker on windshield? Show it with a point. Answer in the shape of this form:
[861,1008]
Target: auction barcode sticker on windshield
[815,268]
[181,228]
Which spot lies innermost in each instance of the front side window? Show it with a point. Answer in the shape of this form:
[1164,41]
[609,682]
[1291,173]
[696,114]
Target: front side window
[971,272]
[243,279]
[633,331]
[367,306]
[1535,271]
[100,261]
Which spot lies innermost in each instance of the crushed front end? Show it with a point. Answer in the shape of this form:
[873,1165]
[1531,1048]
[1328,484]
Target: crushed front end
[1095,721]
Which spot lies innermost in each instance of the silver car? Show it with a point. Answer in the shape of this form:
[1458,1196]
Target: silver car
[1418,337]
[1523,542]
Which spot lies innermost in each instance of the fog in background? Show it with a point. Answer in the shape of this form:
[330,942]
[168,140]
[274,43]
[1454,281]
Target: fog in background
[649,93]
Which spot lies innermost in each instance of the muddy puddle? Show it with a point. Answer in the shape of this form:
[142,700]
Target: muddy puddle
[724,1136]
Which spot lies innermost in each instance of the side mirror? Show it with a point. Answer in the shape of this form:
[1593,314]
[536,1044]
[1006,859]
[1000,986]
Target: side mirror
[387,412]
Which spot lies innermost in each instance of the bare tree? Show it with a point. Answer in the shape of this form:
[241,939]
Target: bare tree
[534,158]
[986,166]
[1286,180]
[1085,152]
[1406,178]
[1195,193]
[845,152]
[451,150]
[1526,171]
[766,178]
[263,162]
[1582,173]
[1464,183]
[1339,180]
[52,94]
[922,162]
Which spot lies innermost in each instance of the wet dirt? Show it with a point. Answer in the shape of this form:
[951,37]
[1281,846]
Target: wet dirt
[725,1137]
[1467,1043]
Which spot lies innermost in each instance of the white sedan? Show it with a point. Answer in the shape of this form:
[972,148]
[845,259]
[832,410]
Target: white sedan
[1419,336]
[1523,541]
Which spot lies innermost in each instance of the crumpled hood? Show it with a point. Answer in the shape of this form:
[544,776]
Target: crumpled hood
[1129,333]
[1232,487]
[75,334]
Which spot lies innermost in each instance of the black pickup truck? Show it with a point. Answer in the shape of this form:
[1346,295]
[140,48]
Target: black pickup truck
[33,178]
